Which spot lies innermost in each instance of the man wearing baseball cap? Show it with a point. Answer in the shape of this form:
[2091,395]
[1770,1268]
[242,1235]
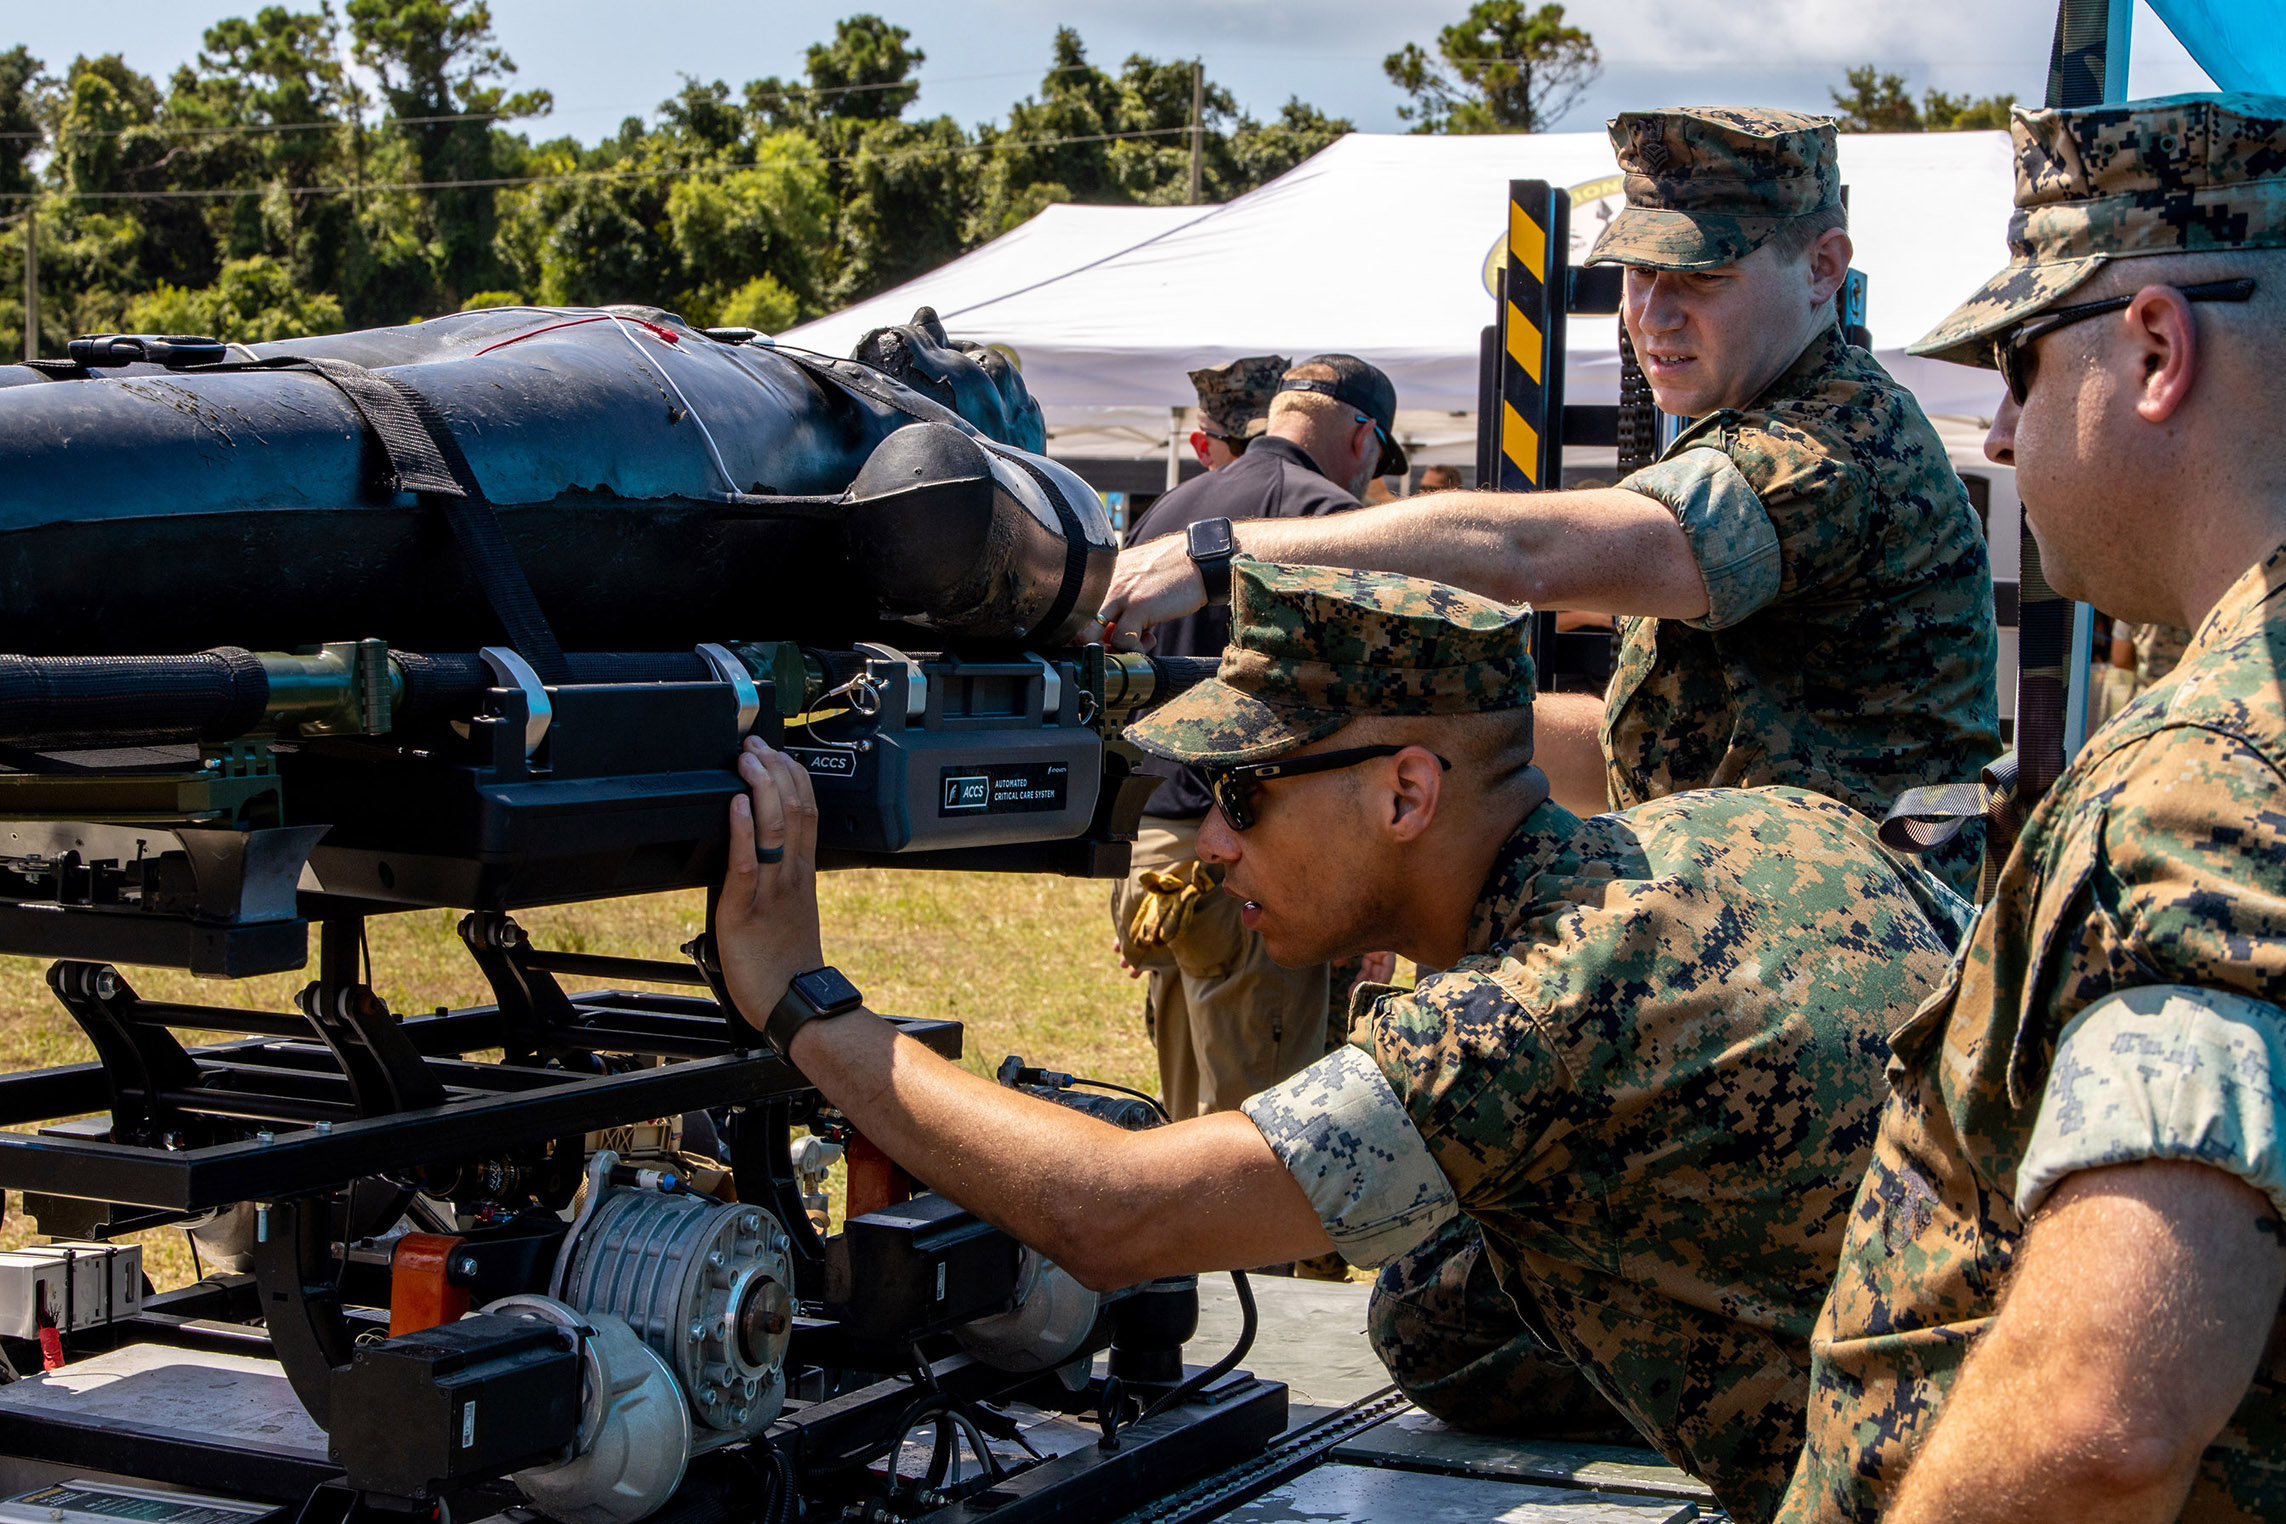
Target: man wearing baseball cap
[1649,1068]
[2060,1296]
[1225,1018]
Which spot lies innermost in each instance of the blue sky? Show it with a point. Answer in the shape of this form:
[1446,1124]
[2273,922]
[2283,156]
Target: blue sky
[606,61]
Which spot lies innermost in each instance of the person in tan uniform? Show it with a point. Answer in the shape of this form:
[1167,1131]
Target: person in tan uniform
[1226,1020]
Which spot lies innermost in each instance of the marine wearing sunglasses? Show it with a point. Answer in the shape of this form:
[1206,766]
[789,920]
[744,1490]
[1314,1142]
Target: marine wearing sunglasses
[1233,787]
[2012,348]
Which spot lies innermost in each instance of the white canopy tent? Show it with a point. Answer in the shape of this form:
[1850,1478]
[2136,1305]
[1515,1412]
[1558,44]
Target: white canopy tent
[1378,247]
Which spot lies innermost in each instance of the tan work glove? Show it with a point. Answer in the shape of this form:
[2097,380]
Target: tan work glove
[1166,905]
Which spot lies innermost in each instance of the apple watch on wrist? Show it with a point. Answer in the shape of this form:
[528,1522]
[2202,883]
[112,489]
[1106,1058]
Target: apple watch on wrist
[1211,545]
[814,996]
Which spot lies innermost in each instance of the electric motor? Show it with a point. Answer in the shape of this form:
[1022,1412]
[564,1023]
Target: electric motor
[707,1285]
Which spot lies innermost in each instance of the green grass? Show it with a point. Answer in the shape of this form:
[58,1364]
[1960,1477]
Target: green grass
[1024,962]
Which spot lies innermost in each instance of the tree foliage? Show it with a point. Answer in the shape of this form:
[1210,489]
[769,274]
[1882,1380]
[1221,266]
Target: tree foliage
[1875,100]
[1504,67]
[261,192]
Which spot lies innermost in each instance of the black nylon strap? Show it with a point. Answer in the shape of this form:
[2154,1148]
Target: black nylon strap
[426,460]
[1075,544]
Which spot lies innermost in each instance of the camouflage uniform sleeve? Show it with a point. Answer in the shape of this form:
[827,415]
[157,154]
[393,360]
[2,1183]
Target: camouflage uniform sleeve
[1482,1085]
[2162,1072]
[1821,506]
[1344,1136]
[1731,537]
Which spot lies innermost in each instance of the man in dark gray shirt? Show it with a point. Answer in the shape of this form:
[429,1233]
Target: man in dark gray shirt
[1228,1022]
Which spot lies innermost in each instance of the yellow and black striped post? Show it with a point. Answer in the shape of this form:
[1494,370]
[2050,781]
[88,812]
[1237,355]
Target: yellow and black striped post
[1531,338]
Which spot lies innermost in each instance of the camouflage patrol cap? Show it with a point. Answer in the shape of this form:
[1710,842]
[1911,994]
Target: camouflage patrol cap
[2179,174]
[1708,185]
[1314,647]
[1234,398]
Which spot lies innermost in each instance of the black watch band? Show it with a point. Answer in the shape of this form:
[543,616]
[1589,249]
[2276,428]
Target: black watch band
[814,996]
[1211,545]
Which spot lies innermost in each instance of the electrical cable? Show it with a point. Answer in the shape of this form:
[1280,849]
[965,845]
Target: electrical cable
[1249,1322]
[1151,1101]
[517,182]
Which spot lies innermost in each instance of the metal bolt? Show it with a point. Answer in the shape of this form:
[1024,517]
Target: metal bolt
[698,1331]
[465,1266]
[751,1222]
[716,1258]
[265,1136]
[106,983]
[324,1126]
[738,1415]
[708,1396]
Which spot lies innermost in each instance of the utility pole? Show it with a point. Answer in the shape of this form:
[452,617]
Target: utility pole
[1198,130]
[31,282]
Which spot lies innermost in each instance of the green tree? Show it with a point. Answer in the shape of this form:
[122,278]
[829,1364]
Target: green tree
[1124,140]
[1875,100]
[1961,113]
[275,111]
[251,302]
[443,75]
[22,78]
[1505,67]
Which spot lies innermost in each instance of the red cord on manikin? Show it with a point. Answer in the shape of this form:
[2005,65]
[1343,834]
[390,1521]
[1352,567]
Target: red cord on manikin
[664,335]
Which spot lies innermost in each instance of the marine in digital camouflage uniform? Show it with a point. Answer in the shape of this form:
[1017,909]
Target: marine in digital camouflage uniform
[1849,646]
[2119,999]
[1234,397]
[1652,1080]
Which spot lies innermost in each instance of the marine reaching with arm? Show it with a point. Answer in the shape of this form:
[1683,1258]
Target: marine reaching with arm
[1805,593]
[1649,1070]
[2060,1297]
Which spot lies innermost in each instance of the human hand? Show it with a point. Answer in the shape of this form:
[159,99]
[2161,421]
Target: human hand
[1375,968]
[1152,583]
[1119,951]
[766,927]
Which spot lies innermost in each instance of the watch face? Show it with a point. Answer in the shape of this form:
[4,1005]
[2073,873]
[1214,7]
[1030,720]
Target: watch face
[828,989]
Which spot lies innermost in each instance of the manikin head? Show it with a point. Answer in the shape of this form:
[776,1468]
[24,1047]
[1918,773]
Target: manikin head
[1368,739]
[2146,446]
[1735,242]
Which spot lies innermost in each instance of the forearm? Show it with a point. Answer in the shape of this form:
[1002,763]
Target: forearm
[1567,746]
[1110,1206]
[1607,551]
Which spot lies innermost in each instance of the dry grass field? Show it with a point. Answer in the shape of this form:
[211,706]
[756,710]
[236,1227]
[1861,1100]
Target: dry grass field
[1024,961]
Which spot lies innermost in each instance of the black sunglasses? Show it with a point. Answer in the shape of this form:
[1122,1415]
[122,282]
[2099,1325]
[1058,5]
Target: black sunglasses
[2012,347]
[1233,787]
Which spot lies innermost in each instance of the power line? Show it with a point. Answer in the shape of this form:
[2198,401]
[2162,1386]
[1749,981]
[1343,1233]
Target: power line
[332,123]
[509,182]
